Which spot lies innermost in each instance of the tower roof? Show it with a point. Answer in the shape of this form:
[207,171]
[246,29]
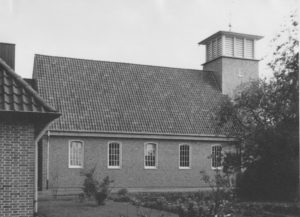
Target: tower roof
[229,33]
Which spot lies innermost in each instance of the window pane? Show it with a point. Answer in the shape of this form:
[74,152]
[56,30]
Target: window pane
[150,155]
[216,156]
[184,156]
[114,154]
[76,153]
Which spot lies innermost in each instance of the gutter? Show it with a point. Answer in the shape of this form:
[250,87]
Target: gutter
[128,135]
[38,137]
[48,156]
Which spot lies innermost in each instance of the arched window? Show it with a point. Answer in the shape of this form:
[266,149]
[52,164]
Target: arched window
[150,156]
[216,157]
[114,155]
[76,154]
[184,156]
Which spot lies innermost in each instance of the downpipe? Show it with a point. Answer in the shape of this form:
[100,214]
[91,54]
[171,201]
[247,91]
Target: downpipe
[38,137]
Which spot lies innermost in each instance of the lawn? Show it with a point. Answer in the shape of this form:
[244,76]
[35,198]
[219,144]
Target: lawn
[156,203]
[74,208]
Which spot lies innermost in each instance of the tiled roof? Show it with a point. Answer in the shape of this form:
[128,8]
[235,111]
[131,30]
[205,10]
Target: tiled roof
[102,96]
[17,96]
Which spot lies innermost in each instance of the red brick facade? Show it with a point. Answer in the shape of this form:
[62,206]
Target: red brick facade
[23,117]
[17,169]
[132,174]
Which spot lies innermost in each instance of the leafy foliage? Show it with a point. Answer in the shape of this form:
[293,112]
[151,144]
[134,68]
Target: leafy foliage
[90,184]
[103,191]
[268,115]
[201,204]
[92,188]
[221,191]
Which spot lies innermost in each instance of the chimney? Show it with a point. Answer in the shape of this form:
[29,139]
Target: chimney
[231,57]
[7,53]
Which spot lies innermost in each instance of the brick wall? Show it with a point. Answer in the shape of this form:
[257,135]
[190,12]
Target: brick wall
[236,72]
[17,155]
[232,72]
[132,174]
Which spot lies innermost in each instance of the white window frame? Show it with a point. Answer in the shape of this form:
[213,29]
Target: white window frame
[120,155]
[190,157]
[156,156]
[220,167]
[76,166]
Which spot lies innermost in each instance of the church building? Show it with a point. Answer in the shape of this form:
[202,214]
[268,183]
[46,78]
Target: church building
[149,128]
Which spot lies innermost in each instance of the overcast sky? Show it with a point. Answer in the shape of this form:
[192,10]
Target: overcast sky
[155,32]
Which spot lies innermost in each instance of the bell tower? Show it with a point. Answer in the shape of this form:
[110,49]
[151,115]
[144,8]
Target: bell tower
[231,57]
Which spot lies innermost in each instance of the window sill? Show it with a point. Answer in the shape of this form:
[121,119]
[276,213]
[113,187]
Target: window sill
[113,168]
[75,167]
[150,168]
[217,168]
[185,168]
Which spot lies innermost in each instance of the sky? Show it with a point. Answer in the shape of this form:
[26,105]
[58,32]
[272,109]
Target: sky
[150,32]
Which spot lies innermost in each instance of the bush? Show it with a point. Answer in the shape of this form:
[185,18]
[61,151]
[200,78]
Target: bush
[103,191]
[92,188]
[123,192]
[122,196]
[216,202]
[261,183]
[202,204]
[101,197]
[90,185]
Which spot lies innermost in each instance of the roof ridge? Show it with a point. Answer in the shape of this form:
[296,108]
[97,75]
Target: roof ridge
[109,61]
[25,85]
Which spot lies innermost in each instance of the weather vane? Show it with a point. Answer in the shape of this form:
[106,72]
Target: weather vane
[230,15]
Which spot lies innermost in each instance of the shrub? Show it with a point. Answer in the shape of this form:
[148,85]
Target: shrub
[90,185]
[221,190]
[103,190]
[101,197]
[92,188]
[123,192]
[122,196]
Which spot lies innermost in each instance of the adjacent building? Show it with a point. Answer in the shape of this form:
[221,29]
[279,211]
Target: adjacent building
[24,116]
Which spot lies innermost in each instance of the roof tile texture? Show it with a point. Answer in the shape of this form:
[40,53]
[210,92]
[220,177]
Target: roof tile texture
[120,97]
[14,95]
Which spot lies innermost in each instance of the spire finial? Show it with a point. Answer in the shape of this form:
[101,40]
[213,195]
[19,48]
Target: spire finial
[230,15]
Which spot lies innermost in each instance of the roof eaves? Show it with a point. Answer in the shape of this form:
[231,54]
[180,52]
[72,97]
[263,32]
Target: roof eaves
[143,133]
[131,135]
[229,33]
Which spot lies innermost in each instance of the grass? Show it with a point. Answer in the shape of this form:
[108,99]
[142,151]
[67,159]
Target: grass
[74,208]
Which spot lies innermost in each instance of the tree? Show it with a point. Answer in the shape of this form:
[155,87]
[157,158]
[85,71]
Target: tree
[267,113]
